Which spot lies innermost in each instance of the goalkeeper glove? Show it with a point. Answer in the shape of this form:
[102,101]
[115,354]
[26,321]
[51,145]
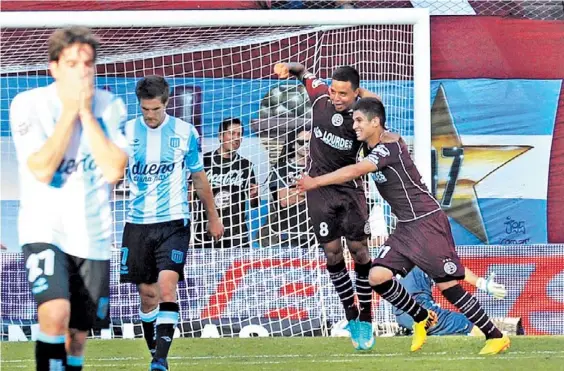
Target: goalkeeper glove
[497,290]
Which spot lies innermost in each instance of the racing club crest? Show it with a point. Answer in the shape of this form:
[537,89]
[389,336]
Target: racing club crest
[174,142]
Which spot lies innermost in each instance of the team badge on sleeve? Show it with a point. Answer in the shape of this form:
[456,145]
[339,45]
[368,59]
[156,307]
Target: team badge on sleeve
[449,267]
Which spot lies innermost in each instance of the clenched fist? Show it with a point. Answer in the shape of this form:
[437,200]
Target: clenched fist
[282,70]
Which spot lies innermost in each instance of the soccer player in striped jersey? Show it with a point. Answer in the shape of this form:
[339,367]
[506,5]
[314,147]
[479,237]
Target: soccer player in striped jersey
[164,152]
[70,146]
[339,210]
[422,237]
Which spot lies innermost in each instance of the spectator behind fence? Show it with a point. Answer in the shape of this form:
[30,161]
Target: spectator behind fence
[233,183]
[287,219]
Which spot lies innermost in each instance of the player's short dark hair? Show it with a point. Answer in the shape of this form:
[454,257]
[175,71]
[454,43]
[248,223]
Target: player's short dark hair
[371,107]
[226,124]
[65,37]
[151,87]
[347,74]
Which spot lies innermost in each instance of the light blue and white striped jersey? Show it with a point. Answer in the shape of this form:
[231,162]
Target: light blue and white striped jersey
[72,212]
[160,163]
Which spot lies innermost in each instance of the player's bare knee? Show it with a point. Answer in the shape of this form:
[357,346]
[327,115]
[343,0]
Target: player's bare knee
[333,252]
[359,251]
[168,280]
[334,258]
[149,294]
[379,275]
[54,316]
[76,340]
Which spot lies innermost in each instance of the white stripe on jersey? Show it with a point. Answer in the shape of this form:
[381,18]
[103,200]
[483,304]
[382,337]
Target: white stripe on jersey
[159,166]
[152,156]
[73,211]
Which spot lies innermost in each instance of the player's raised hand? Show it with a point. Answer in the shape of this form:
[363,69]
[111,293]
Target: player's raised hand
[86,93]
[497,290]
[306,183]
[215,228]
[68,88]
[282,70]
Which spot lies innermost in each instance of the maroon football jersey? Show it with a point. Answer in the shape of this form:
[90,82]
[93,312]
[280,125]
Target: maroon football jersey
[333,142]
[399,181]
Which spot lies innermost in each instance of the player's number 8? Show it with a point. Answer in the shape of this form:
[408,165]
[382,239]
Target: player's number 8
[33,261]
[323,229]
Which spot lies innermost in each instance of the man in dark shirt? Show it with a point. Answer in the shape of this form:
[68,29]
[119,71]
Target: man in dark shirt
[233,183]
[339,210]
[422,237]
[288,214]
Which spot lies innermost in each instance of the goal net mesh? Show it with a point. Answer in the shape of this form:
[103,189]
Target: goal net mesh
[279,280]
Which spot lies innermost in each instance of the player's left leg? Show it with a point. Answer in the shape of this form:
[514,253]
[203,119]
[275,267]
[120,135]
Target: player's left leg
[357,230]
[167,318]
[362,265]
[438,258]
[48,274]
[89,299]
[170,258]
[137,266]
[468,305]
[75,342]
[381,280]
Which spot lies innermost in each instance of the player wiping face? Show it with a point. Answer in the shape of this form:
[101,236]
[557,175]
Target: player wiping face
[69,143]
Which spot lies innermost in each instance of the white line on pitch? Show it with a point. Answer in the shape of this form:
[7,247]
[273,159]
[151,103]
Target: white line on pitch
[291,356]
[463,358]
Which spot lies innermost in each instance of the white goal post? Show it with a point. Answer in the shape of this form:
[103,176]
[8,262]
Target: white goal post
[418,17]
[219,64]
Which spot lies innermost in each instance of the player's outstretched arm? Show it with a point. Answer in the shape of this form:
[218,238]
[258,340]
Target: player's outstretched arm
[343,175]
[205,194]
[497,290]
[284,70]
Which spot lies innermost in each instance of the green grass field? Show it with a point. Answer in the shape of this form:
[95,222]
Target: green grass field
[311,354]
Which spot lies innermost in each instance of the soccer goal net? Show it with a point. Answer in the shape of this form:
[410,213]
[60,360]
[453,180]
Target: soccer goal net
[220,65]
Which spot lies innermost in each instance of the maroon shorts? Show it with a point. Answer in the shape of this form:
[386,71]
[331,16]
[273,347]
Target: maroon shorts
[337,212]
[426,243]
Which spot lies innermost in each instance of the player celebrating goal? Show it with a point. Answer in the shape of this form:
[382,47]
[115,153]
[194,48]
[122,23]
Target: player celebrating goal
[69,147]
[157,232]
[340,210]
[422,238]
